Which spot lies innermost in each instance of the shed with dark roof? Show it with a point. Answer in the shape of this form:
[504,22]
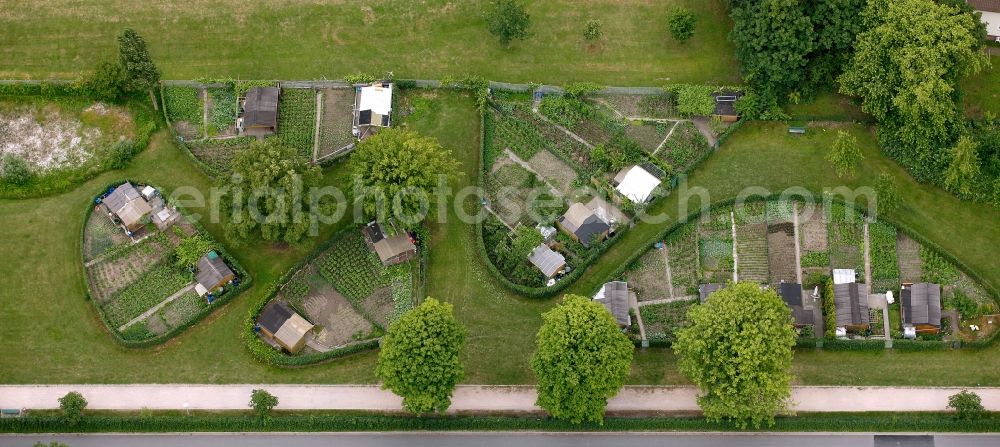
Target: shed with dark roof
[614,297]
[391,248]
[791,294]
[260,111]
[583,225]
[922,306]
[213,272]
[852,307]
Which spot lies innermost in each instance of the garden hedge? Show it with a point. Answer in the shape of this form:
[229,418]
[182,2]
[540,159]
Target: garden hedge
[369,422]
[245,279]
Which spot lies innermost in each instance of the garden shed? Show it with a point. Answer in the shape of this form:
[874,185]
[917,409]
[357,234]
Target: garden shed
[791,294]
[636,183]
[614,296]
[705,290]
[852,310]
[128,205]
[549,262]
[212,273]
[259,117]
[372,108]
[391,248]
[284,327]
[922,306]
[583,225]
[725,105]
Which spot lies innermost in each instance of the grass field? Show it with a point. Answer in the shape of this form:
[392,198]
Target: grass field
[982,92]
[311,40]
[61,340]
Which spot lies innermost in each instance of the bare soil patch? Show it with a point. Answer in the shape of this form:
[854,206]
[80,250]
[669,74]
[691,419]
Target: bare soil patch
[812,229]
[558,173]
[908,256]
[781,252]
[336,121]
[648,278]
[326,307]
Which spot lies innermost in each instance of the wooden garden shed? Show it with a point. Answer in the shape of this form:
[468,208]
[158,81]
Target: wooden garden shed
[280,324]
[922,306]
[259,116]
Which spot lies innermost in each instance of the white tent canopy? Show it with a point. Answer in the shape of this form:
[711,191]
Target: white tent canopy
[376,98]
[843,276]
[637,184]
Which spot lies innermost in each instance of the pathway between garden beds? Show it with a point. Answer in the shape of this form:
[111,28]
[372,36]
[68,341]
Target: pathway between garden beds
[467,398]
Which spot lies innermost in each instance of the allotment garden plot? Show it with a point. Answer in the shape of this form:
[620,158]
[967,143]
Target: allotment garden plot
[349,294]
[150,272]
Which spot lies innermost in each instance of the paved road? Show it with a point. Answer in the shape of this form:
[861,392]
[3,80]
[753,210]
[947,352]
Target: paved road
[511,439]
[467,398]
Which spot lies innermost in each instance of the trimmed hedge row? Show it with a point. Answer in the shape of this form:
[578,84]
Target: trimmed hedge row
[245,280]
[367,422]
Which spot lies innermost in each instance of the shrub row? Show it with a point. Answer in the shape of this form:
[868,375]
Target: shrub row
[367,422]
[245,279]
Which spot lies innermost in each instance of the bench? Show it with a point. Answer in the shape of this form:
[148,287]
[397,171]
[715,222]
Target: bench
[10,413]
[797,130]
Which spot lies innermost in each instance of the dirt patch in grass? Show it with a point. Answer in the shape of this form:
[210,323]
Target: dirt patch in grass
[558,173]
[52,136]
[781,252]
[648,135]
[812,228]
[100,235]
[648,277]
[326,307]
[336,120]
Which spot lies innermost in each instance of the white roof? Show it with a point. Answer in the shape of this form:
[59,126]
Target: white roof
[638,184]
[376,98]
[843,276]
[148,191]
[200,289]
[992,21]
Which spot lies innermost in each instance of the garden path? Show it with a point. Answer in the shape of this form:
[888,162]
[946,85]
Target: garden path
[705,128]
[666,266]
[526,165]
[157,307]
[467,398]
[664,142]
[318,125]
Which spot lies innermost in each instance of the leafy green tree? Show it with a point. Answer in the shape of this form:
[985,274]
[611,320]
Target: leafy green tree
[262,403]
[134,58]
[508,21]
[525,241]
[967,405]
[773,41]
[964,166]
[419,357]
[911,86]
[400,168]
[14,170]
[190,250]
[268,193]
[887,193]
[581,360]
[72,406]
[845,154]
[737,348]
[836,24]
[593,30]
[681,22]
[107,82]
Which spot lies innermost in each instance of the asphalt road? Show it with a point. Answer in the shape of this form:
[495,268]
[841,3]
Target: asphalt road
[507,439]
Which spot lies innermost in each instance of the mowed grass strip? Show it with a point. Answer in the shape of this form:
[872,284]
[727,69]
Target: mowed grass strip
[191,39]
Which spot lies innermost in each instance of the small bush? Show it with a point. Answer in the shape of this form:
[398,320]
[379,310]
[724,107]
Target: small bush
[120,154]
[15,170]
[72,406]
[593,30]
[262,403]
[681,22]
[967,405]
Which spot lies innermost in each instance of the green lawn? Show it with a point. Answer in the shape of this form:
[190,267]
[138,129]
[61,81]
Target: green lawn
[763,154]
[312,40]
[60,338]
